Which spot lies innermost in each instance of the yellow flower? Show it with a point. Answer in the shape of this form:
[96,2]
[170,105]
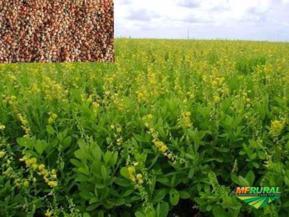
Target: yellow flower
[160,145]
[139,178]
[41,167]
[2,127]
[217,99]
[2,154]
[95,106]
[24,158]
[44,173]
[28,162]
[52,118]
[119,141]
[131,173]
[148,120]
[33,160]
[170,156]
[48,213]
[118,129]
[25,184]
[131,170]
[53,171]
[17,182]
[276,127]
[163,148]
[185,120]
[46,179]
[12,77]
[52,184]
[34,166]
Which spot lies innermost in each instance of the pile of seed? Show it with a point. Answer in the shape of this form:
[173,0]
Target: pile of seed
[56,31]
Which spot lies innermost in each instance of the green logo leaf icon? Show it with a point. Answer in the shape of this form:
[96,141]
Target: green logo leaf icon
[258,196]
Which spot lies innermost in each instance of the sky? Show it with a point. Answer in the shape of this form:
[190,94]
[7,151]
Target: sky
[203,19]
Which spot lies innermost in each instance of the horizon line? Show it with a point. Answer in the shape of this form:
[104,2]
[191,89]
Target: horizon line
[202,39]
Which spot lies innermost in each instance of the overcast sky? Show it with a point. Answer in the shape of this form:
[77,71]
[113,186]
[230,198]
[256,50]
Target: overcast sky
[203,19]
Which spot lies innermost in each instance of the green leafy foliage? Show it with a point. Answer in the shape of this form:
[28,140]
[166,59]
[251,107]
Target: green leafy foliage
[170,121]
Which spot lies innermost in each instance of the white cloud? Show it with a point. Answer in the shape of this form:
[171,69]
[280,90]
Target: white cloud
[189,3]
[142,15]
[169,15]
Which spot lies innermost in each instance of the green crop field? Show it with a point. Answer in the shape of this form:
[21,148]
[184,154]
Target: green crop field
[170,123]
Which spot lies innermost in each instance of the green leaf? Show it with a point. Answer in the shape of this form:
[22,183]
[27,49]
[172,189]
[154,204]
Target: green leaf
[124,172]
[286,180]
[114,158]
[174,197]
[107,157]
[80,154]
[243,181]
[159,195]
[75,162]
[85,215]
[235,179]
[40,146]
[219,212]
[110,158]
[250,177]
[104,172]
[84,169]
[122,182]
[139,214]
[162,209]
[164,181]
[95,151]
[184,195]
[25,142]
[50,130]
[66,141]
[240,180]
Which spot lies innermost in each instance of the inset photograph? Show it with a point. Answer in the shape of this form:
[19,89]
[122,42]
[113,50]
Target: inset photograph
[56,31]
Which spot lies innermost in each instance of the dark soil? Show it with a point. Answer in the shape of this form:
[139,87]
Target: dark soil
[185,208]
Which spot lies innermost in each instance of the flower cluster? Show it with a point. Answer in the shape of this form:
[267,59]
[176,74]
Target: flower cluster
[117,130]
[216,84]
[2,127]
[276,127]
[53,90]
[11,100]
[185,120]
[133,176]
[161,146]
[2,154]
[52,118]
[50,177]
[9,168]
[148,120]
[24,124]
[142,95]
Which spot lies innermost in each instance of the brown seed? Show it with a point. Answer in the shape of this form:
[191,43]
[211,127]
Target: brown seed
[59,30]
